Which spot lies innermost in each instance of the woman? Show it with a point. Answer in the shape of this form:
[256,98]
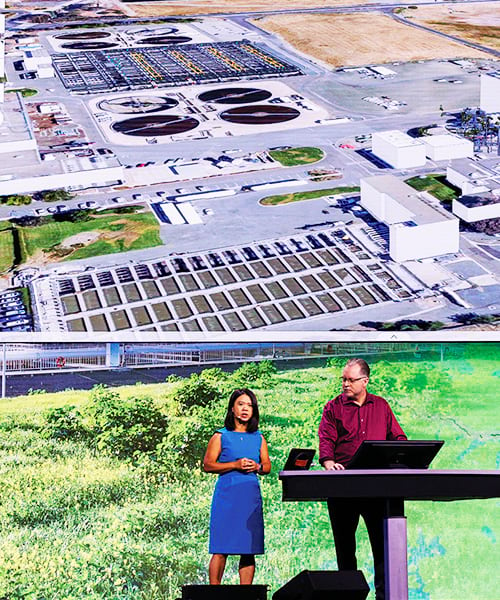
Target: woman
[237,453]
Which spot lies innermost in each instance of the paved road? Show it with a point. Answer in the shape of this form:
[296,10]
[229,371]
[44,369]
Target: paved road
[13,21]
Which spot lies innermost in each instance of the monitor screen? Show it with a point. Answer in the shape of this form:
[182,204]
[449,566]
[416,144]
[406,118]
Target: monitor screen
[299,459]
[402,454]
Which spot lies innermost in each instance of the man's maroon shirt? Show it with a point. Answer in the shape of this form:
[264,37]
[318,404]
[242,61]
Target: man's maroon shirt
[344,425]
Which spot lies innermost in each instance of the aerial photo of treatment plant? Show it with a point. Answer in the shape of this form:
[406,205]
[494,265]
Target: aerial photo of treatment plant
[249,166]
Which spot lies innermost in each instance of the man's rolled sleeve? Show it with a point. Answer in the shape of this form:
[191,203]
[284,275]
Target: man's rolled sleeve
[327,434]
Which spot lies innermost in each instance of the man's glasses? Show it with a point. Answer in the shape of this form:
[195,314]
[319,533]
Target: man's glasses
[350,380]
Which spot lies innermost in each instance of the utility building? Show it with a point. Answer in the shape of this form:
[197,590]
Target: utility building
[417,228]
[490,92]
[447,147]
[398,149]
[480,207]
[473,177]
[480,186]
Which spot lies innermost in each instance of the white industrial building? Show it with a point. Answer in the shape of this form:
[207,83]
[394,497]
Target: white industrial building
[480,186]
[78,174]
[398,149]
[38,60]
[417,228]
[447,147]
[490,92]
[473,177]
[383,71]
[477,208]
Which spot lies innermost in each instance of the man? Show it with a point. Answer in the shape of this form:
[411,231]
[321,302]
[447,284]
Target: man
[349,419]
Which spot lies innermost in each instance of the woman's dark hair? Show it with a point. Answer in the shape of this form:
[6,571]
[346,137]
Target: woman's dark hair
[253,423]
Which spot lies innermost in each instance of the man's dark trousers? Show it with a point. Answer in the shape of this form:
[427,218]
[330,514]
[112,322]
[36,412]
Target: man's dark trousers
[344,517]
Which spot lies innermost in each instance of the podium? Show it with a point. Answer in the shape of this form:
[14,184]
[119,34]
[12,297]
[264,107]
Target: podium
[395,486]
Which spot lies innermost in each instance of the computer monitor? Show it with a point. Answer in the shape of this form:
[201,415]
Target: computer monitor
[399,454]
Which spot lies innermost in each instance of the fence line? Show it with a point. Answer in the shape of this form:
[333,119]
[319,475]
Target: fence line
[33,358]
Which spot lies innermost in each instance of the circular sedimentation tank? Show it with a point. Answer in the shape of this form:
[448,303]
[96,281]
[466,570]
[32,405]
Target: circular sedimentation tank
[235,95]
[155,125]
[260,114]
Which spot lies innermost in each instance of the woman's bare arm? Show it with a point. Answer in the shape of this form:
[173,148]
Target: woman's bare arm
[265,462]
[210,461]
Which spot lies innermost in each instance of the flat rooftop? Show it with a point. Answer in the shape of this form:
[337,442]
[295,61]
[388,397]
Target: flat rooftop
[486,173]
[25,164]
[423,212]
[397,138]
[444,140]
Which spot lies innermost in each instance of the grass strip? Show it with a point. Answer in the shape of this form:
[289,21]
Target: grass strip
[309,195]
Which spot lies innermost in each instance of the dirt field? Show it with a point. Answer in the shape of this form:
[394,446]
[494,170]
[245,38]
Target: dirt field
[361,38]
[477,22]
[194,7]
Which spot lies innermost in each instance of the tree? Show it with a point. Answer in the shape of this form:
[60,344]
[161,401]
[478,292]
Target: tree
[250,374]
[125,427]
[16,199]
[187,437]
[74,216]
[56,195]
[475,319]
[197,391]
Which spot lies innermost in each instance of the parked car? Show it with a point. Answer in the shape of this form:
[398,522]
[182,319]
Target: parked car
[88,204]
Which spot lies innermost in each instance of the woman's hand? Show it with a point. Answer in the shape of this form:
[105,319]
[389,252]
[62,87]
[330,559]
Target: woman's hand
[247,465]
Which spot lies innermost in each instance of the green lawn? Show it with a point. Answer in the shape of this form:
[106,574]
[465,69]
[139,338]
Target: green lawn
[6,250]
[79,523]
[140,230]
[299,196]
[25,92]
[436,185]
[297,156]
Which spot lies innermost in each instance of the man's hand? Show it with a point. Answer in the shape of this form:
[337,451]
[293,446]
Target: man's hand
[331,465]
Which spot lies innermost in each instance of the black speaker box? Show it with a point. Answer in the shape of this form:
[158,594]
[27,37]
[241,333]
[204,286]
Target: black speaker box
[224,592]
[325,585]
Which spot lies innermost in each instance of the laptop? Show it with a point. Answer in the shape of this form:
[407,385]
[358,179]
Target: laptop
[299,459]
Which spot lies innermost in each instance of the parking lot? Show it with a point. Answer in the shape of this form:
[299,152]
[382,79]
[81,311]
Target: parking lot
[234,289]
[13,312]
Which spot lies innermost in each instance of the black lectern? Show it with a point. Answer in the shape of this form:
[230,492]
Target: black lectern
[395,486]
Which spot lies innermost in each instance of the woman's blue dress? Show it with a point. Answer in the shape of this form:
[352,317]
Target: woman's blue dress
[236,522]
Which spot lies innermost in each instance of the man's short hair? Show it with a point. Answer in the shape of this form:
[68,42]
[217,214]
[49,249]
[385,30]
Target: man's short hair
[362,364]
